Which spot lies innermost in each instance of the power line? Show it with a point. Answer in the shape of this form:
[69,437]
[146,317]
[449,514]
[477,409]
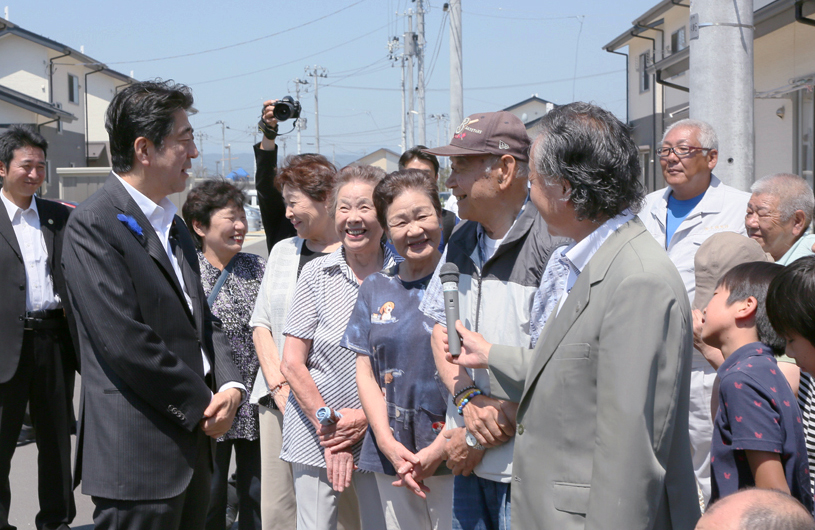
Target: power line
[241,43]
[288,62]
[517,85]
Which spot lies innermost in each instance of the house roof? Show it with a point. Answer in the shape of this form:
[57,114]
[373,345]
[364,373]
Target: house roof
[31,104]
[527,100]
[9,28]
[383,150]
[764,12]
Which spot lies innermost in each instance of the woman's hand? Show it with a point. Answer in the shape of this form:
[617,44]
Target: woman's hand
[346,432]
[281,397]
[340,467]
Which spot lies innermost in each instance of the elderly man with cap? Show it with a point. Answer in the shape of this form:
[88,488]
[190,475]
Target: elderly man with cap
[693,207]
[500,249]
[779,214]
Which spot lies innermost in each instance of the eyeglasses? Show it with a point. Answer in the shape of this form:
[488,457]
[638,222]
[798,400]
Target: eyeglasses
[681,151]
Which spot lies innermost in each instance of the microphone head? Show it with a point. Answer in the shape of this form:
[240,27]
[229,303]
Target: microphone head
[449,273]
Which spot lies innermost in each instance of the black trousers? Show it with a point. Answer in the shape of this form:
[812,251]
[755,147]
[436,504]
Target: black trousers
[187,511]
[40,382]
[247,457]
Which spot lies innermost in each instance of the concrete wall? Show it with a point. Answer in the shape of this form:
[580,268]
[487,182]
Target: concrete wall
[79,183]
[65,149]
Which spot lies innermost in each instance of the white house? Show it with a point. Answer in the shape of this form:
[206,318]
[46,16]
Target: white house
[657,55]
[62,92]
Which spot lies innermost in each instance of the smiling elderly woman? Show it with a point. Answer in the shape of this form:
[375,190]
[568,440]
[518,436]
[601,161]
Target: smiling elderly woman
[320,372]
[215,216]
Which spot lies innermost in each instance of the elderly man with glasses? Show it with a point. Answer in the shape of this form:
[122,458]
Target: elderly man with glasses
[694,206]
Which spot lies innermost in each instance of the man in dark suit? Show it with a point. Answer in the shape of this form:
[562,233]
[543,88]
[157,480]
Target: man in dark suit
[602,424]
[38,354]
[158,382]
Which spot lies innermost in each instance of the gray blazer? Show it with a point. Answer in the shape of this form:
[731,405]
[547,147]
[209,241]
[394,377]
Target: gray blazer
[602,436]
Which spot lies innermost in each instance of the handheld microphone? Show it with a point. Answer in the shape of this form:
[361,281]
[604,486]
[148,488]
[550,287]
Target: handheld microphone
[449,282]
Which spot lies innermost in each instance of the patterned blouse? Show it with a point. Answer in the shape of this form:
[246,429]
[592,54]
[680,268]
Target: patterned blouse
[234,305]
[323,300]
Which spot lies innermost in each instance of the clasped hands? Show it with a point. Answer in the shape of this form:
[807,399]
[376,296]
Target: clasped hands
[337,440]
[220,412]
[490,420]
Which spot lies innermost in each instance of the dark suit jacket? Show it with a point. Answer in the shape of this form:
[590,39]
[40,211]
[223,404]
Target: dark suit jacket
[53,217]
[602,434]
[143,386]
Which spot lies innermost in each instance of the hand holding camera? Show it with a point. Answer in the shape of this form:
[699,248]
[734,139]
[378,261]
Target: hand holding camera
[275,111]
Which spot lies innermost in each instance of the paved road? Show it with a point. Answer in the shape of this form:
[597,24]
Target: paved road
[23,477]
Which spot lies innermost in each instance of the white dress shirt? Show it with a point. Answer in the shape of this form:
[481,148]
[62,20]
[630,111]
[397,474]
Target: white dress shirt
[39,292]
[161,220]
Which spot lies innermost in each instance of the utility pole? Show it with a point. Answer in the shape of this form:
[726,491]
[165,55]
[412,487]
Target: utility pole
[300,124]
[223,142]
[201,151]
[440,118]
[420,48]
[229,148]
[316,72]
[410,51]
[721,32]
[404,108]
[456,71]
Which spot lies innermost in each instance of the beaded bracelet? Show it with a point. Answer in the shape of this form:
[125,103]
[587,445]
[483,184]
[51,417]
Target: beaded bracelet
[467,400]
[467,395]
[462,391]
[273,392]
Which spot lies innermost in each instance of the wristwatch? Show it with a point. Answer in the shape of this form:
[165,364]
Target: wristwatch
[469,438]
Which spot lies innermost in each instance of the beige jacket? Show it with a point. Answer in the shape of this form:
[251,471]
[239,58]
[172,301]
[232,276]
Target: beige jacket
[602,437]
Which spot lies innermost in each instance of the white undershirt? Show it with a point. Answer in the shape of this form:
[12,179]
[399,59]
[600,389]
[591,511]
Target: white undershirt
[39,284]
[161,219]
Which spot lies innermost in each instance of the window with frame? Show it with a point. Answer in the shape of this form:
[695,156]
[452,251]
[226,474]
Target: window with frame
[645,77]
[678,40]
[73,89]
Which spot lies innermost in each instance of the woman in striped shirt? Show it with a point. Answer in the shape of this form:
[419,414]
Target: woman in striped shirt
[321,373]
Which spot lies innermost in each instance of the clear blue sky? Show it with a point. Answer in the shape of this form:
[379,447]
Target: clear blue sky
[235,55]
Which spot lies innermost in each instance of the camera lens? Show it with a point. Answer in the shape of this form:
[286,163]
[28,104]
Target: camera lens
[282,111]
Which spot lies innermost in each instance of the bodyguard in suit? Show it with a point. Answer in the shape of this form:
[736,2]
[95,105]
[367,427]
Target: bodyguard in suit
[37,360]
[158,382]
[602,432]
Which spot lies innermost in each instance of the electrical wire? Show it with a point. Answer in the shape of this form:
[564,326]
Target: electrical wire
[437,50]
[288,62]
[517,85]
[241,43]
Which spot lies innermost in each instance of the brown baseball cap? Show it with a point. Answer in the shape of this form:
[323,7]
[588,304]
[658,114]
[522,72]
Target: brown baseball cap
[488,133]
[718,254]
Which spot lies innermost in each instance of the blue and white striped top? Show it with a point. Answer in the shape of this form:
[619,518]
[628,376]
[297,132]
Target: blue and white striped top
[323,301]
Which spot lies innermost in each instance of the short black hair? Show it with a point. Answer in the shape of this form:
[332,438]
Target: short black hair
[399,182]
[418,152]
[17,137]
[791,299]
[205,199]
[590,149]
[753,279]
[143,109]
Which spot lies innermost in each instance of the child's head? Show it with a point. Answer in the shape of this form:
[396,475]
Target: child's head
[739,304]
[791,310]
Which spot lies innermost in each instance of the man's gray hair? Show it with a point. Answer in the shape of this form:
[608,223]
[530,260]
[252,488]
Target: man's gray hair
[793,194]
[784,512]
[705,132]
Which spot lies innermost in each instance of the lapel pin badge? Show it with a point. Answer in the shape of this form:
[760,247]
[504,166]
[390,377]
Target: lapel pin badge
[50,221]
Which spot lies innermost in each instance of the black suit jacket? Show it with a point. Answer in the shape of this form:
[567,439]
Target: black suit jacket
[53,217]
[143,386]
